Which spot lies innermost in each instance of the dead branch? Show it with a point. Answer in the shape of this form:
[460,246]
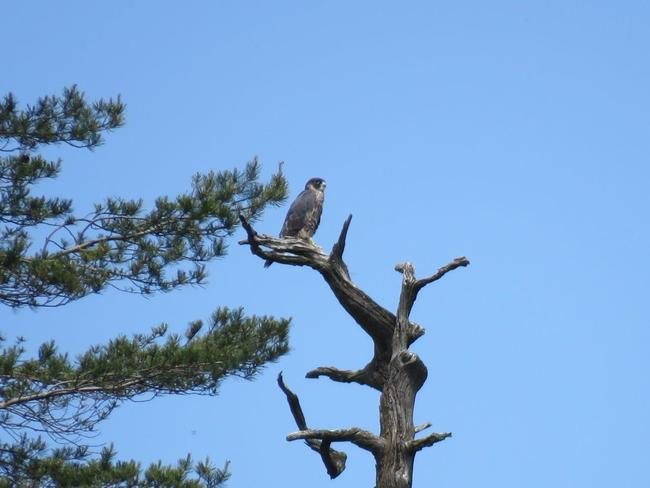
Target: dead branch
[366,376]
[456,263]
[362,438]
[375,320]
[333,460]
[427,441]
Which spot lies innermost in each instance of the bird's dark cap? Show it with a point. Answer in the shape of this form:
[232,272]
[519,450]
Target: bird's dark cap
[315,182]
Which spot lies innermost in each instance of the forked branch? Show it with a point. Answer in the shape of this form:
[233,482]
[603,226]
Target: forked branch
[333,460]
[411,286]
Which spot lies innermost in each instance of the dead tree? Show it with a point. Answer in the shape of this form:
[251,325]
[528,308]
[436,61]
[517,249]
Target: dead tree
[393,370]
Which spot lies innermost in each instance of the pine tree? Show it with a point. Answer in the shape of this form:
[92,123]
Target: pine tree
[118,244]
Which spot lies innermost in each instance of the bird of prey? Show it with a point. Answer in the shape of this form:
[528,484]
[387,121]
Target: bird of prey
[304,213]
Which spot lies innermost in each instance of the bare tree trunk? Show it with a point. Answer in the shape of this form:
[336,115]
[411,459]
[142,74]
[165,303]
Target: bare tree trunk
[394,370]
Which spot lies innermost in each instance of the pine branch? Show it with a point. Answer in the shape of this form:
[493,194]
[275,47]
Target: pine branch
[30,463]
[119,244]
[67,119]
[52,394]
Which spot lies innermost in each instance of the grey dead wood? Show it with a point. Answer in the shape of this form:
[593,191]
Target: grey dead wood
[394,370]
[333,460]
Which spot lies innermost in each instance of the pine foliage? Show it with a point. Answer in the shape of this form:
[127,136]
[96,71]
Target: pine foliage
[66,399]
[30,463]
[123,245]
[118,243]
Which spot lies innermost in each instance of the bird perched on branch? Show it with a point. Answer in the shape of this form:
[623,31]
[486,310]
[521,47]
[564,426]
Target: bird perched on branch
[304,213]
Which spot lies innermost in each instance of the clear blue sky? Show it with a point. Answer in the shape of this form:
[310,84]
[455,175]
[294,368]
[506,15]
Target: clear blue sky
[515,133]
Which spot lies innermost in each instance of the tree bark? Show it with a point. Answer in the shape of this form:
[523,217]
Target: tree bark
[394,370]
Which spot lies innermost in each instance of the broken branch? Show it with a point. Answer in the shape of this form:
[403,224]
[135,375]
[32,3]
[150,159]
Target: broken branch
[430,440]
[456,263]
[333,460]
[366,376]
[362,438]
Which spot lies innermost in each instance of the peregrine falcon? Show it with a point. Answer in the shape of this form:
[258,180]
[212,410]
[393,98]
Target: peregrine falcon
[304,213]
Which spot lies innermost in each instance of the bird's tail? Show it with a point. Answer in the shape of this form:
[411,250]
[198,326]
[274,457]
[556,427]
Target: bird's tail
[268,263]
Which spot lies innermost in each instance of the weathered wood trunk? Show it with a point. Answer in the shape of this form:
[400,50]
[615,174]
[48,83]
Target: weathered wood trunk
[394,370]
[395,462]
[406,375]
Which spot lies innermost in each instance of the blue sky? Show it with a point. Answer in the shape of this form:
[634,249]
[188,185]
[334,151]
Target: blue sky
[515,133]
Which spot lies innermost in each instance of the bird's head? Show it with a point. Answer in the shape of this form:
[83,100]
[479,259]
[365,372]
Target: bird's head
[317,184]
